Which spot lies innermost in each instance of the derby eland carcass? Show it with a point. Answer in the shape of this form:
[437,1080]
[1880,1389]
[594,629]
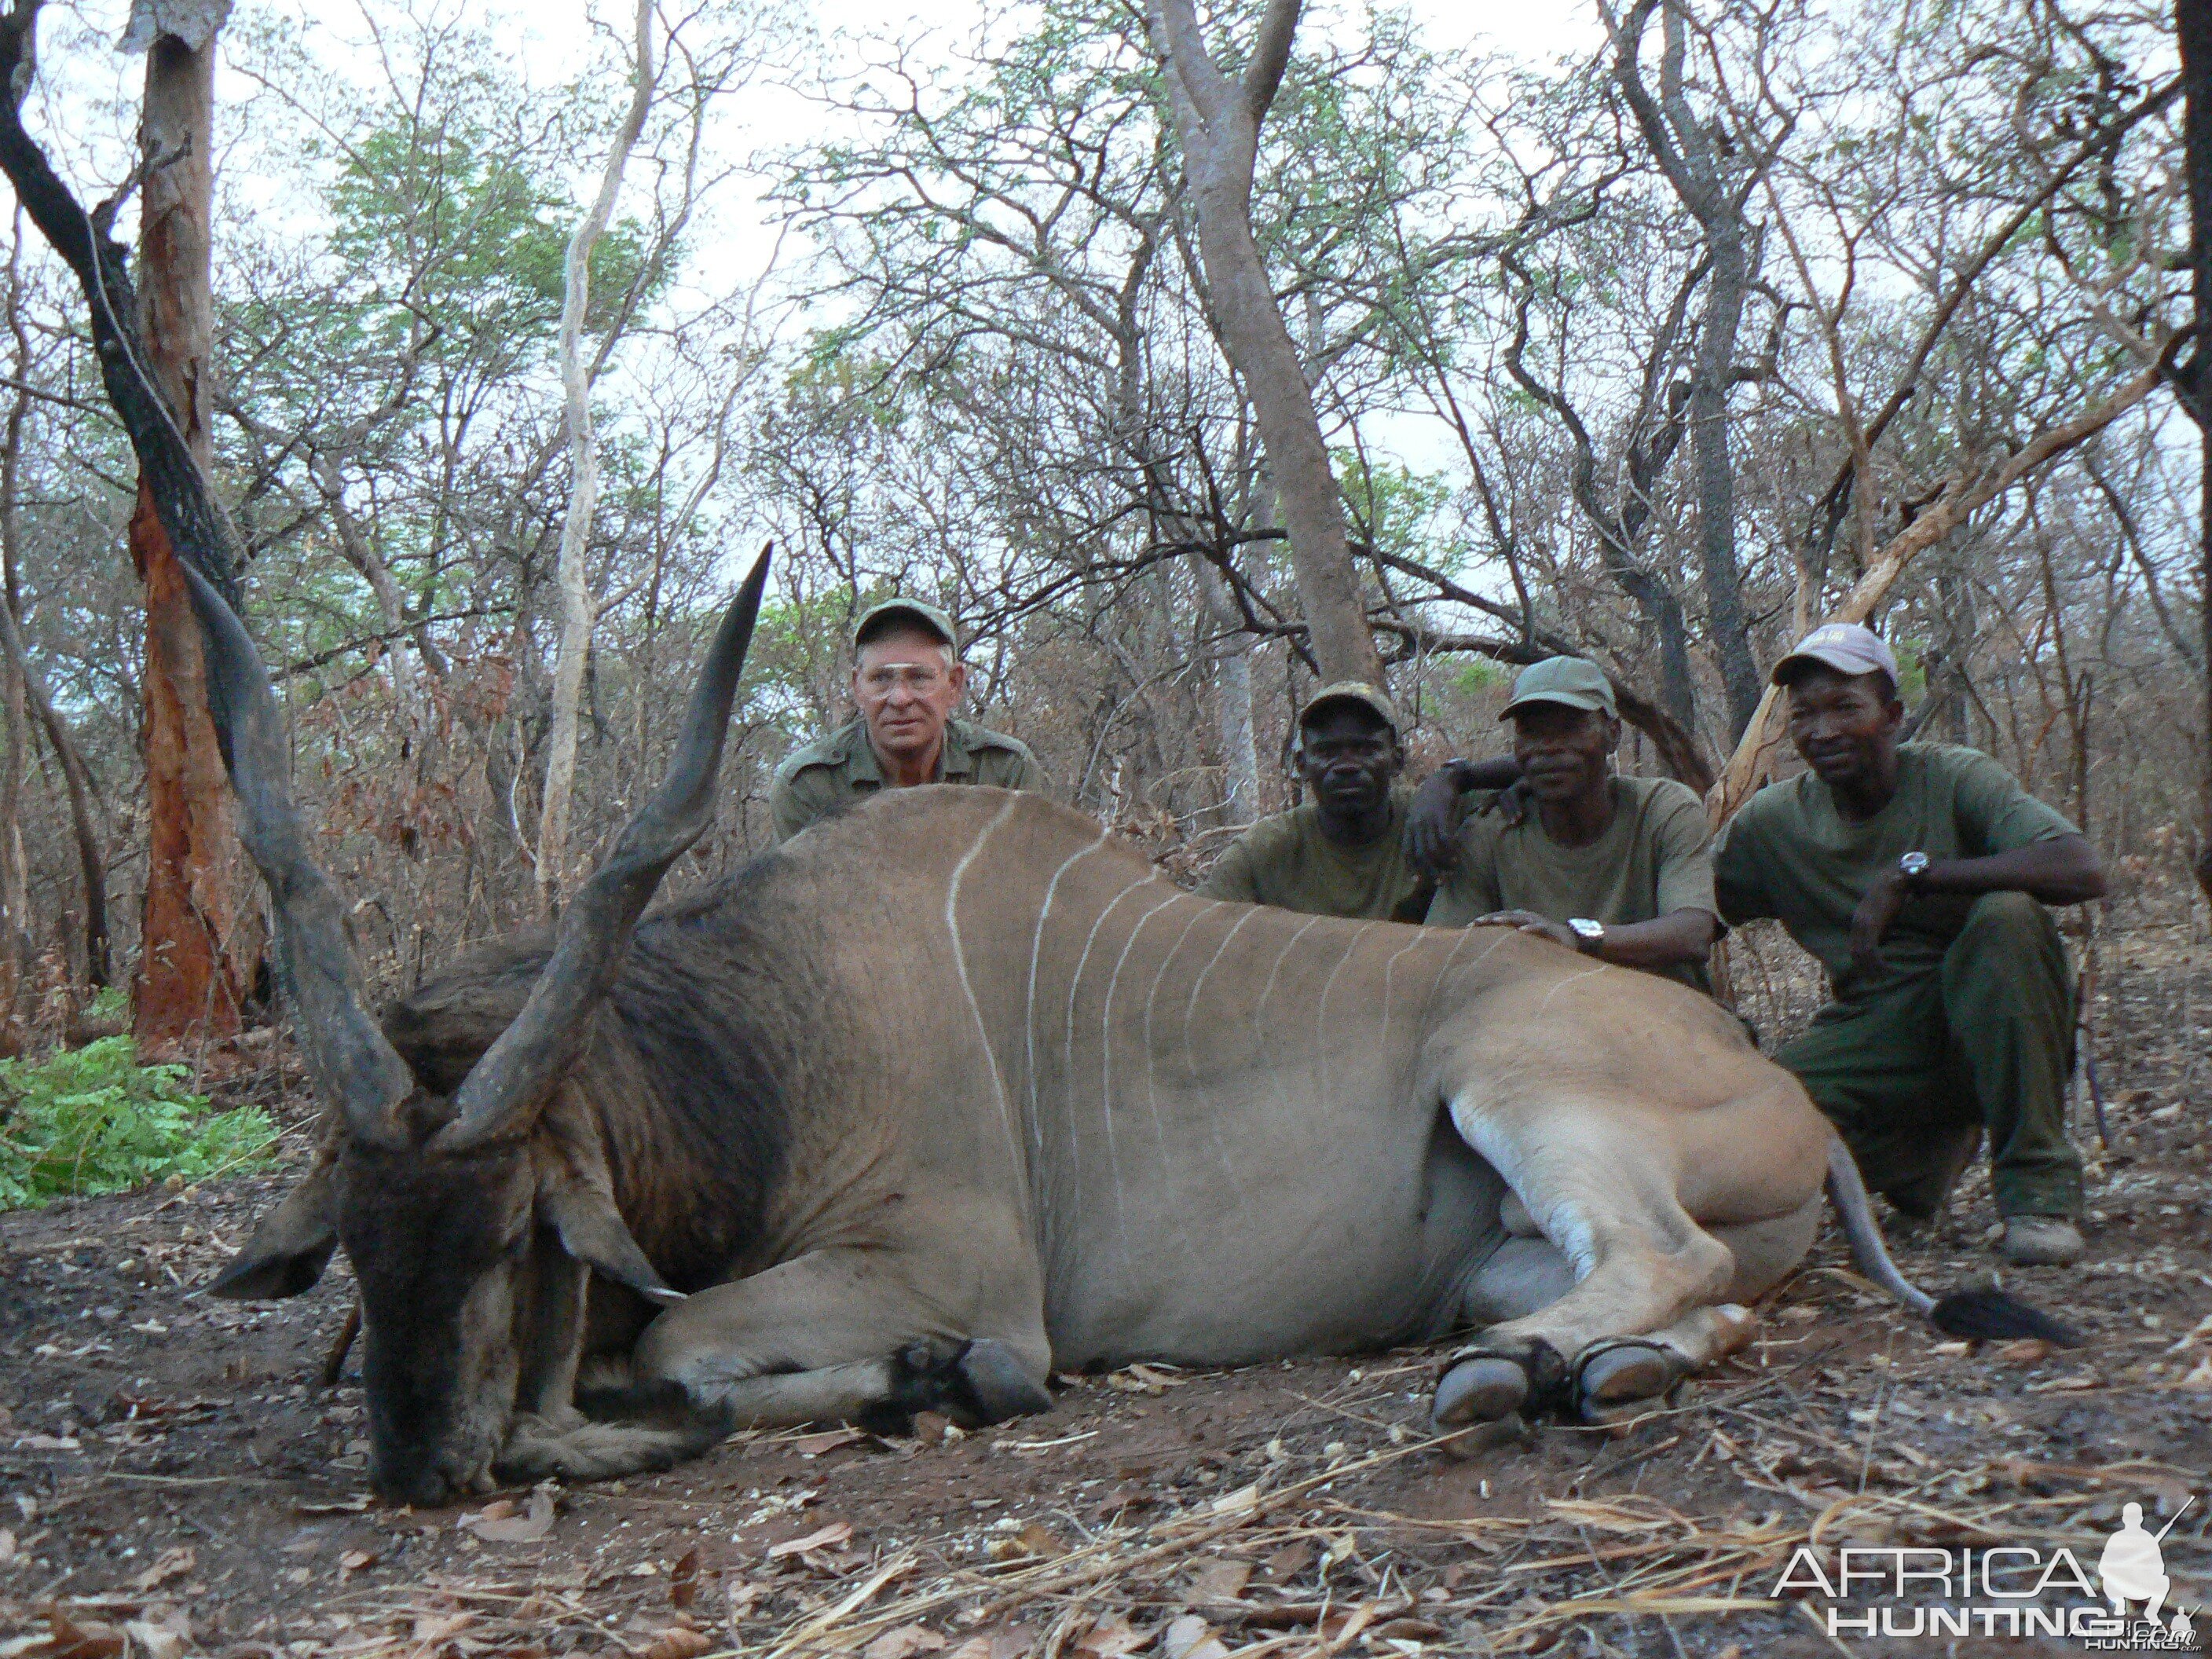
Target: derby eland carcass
[956,1090]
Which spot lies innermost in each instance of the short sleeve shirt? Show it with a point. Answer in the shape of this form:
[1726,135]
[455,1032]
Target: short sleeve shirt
[1286,861]
[1790,854]
[842,766]
[1654,859]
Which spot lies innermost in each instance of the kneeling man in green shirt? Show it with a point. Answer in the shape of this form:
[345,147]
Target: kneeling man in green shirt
[1917,873]
[1343,853]
[1619,868]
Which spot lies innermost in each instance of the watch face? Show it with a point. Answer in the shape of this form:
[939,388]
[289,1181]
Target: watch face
[1585,928]
[1913,863]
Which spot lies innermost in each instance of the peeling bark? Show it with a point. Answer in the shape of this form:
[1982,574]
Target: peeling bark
[193,971]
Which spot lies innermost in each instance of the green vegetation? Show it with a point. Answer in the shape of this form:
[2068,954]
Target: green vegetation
[94,1120]
[1480,674]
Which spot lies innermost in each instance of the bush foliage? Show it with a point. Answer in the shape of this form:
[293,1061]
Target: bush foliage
[95,1120]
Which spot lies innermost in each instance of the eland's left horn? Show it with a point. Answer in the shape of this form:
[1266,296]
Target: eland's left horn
[502,1096]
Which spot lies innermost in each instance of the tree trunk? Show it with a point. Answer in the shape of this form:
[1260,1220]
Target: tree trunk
[14,875]
[1685,154]
[2194,21]
[193,966]
[1708,445]
[576,608]
[1217,121]
[1232,700]
[76,780]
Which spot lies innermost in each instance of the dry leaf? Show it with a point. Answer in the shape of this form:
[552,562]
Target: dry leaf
[1191,1638]
[162,1632]
[48,1443]
[813,1446]
[684,1580]
[170,1566]
[67,1639]
[1409,1630]
[2024,1351]
[2199,1378]
[1337,1630]
[1034,1539]
[1010,1644]
[353,1505]
[835,1533]
[508,1527]
[905,1643]
[1109,1638]
[1220,1581]
[739,1594]
[430,1630]
[1288,1562]
[357,1561]
[677,1643]
[7,1544]
[1244,1500]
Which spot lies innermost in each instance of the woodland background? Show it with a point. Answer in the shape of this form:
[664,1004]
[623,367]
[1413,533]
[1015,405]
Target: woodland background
[1652,353]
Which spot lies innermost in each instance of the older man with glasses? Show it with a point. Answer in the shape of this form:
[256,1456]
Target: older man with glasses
[908,678]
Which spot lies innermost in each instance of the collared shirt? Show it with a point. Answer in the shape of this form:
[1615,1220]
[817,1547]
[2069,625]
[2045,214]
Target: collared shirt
[843,766]
[1653,858]
[1287,861]
[1791,856]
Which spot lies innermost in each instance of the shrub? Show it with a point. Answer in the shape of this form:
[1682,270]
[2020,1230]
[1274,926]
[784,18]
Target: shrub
[95,1120]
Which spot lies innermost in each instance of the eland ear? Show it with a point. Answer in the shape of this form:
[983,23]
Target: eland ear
[591,1230]
[288,1250]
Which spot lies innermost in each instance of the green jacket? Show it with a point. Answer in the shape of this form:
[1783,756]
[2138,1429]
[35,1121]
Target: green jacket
[842,766]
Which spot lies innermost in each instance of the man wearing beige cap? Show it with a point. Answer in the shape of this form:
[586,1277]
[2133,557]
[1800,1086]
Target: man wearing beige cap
[908,678]
[1917,873]
[1619,868]
[1343,853]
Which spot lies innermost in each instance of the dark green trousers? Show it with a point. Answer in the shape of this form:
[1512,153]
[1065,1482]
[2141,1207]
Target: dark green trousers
[1913,1075]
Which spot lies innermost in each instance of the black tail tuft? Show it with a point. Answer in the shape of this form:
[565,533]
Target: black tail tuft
[1992,1316]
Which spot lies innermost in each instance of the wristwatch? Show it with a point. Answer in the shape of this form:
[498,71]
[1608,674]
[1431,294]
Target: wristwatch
[1913,867]
[1589,936]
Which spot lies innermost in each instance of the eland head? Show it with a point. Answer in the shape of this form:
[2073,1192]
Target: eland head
[473,1218]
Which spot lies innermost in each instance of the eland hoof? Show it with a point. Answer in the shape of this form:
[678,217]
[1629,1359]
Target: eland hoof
[994,1385]
[1480,1389]
[1629,1371]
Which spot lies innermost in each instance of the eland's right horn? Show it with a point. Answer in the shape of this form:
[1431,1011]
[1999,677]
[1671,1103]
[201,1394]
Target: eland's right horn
[353,1066]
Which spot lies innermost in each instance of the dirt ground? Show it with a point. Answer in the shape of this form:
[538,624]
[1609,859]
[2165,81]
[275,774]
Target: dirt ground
[174,1477]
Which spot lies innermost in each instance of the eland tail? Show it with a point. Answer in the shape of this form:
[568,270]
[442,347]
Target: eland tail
[1978,1315]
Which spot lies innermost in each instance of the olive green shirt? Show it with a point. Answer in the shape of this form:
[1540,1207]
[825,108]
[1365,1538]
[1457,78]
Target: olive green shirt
[842,766]
[1286,861]
[1654,859]
[1791,855]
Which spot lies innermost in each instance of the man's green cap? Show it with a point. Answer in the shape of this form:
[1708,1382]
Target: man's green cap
[876,616]
[1376,702]
[1575,681]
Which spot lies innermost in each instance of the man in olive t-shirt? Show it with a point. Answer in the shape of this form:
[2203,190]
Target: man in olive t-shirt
[1917,873]
[1617,868]
[908,678]
[1342,854]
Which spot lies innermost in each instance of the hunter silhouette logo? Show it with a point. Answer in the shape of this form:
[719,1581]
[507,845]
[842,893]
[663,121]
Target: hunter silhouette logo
[2004,1590]
[2133,1569]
